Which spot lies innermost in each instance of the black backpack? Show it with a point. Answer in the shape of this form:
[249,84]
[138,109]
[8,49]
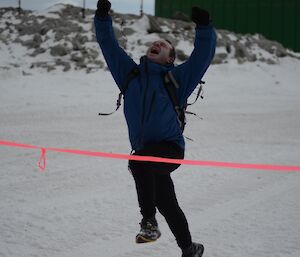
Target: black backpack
[171,85]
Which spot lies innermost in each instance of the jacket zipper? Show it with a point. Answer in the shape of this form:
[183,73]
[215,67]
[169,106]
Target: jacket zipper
[151,105]
[144,102]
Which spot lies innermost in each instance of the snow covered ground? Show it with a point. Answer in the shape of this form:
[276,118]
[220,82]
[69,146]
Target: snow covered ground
[87,206]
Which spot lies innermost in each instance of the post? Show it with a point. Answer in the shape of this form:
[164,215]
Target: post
[19,7]
[141,9]
[83,9]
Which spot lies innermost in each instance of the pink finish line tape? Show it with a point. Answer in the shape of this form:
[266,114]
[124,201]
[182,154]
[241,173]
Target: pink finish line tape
[42,161]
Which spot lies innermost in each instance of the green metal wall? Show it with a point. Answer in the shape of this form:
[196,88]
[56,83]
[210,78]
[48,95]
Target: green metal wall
[275,19]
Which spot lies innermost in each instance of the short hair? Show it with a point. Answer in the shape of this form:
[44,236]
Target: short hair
[172,51]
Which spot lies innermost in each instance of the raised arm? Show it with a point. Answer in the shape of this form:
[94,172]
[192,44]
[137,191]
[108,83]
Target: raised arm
[119,63]
[189,73]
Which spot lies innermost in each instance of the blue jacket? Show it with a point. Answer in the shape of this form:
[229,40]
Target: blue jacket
[148,109]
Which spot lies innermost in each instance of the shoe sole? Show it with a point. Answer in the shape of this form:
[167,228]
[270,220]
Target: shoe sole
[201,251]
[140,239]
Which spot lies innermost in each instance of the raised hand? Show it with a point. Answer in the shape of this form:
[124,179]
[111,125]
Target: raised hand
[103,7]
[200,16]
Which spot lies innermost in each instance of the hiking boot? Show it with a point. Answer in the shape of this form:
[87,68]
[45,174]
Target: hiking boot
[149,231]
[195,250]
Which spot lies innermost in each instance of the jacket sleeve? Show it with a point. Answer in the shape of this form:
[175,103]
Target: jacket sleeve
[189,73]
[118,62]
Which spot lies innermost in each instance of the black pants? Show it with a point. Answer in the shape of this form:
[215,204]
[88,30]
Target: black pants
[155,188]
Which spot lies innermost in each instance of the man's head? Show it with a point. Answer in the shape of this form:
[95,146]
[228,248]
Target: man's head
[162,52]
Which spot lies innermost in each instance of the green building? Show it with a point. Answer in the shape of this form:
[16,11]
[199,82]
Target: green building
[276,19]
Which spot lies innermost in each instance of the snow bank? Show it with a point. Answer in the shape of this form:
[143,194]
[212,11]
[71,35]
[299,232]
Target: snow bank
[59,38]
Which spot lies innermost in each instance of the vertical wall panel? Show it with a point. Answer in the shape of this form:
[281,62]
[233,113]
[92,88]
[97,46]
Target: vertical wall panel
[253,16]
[185,6]
[297,26]
[265,17]
[289,20]
[276,19]
[241,14]
[218,13]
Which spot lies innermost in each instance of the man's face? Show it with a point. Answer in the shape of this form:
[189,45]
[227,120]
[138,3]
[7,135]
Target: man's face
[159,52]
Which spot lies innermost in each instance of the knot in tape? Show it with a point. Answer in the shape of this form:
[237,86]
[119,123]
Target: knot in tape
[42,160]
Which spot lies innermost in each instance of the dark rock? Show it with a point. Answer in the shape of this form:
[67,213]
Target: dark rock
[59,50]
[38,51]
[66,29]
[92,53]
[77,58]
[169,37]
[128,31]
[240,50]
[24,73]
[271,61]
[228,48]
[44,31]
[181,16]
[181,55]
[3,39]
[37,40]
[66,65]
[79,42]
[154,25]
[281,52]
[100,64]
[51,68]
[72,12]
[219,58]
[39,65]
[33,43]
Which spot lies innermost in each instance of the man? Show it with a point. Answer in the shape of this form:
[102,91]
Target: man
[153,125]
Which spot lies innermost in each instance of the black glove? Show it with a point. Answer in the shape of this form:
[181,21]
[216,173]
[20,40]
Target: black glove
[200,16]
[103,7]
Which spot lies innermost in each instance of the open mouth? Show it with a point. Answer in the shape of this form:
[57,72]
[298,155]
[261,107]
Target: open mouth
[154,51]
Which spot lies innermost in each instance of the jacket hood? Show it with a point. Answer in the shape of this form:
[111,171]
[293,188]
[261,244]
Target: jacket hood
[151,67]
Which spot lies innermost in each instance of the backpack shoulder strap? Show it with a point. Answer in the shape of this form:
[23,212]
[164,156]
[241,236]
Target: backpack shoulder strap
[171,85]
[169,78]
[131,75]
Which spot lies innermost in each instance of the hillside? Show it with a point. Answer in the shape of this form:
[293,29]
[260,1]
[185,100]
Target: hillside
[59,38]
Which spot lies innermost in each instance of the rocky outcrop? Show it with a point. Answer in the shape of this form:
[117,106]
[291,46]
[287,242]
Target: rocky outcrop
[62,38]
